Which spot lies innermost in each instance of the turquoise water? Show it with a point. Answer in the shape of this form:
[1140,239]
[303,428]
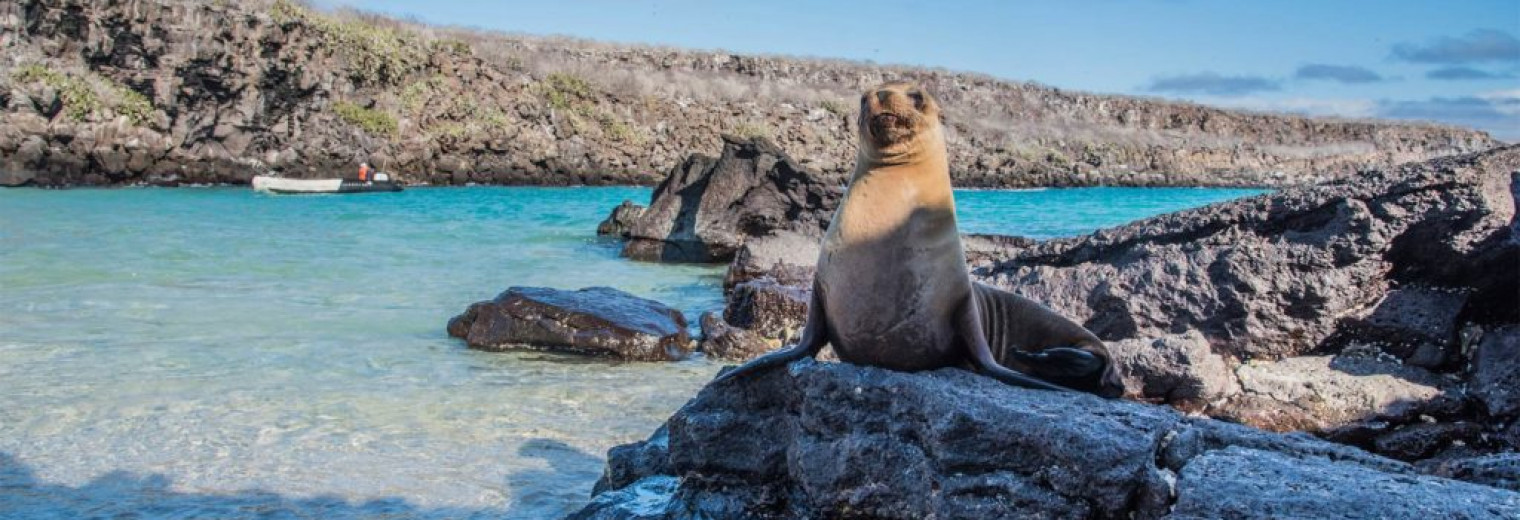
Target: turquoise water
[189,353]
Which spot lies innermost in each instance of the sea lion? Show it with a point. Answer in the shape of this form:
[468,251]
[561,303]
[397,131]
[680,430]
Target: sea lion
[891,288]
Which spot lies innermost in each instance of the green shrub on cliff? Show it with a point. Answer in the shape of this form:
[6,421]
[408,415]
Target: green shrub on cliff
[132,104]
[751,130]
[618,130]
[375,122]
[834,106]
[415,95]
[451,46]
[565,91]
[79,100]
[88,96]
[375,52]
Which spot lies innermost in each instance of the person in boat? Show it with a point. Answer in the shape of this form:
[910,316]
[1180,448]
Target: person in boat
[364,172]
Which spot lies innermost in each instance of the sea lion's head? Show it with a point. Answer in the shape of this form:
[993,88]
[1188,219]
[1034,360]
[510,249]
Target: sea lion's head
[898,119]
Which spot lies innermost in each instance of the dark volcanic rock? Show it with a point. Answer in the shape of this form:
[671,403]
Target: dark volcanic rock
[1387,268]
[829,440]
[790,258]
[621,220]
[723,341]
[1496,371]
[787,257]
[596,320]
[1244,483]
[1178,369]
[768,308]
[1276,275]
[984,250]
[1416,324]
[1328,393]
[1420,440]
[707,208]
[1500,470]
[13,175]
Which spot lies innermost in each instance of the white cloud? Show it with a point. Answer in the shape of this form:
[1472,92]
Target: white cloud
[1506,102]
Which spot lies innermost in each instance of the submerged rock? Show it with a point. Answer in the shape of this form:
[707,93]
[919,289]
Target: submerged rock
[621,220]
[708,207]
[831,440]
[595,321]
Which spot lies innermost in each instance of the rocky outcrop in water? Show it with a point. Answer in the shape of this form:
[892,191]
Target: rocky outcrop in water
[620,222]
[707,207]
[595,321]
[830,440]
[175,91]
[1375,310]
[727,342]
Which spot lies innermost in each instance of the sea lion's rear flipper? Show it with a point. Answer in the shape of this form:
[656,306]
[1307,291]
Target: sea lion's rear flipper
[969,321]
[1024,334]
[814,336]
[1062,362]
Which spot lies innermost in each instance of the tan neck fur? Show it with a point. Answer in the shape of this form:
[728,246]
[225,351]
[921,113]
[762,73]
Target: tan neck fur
[886,192]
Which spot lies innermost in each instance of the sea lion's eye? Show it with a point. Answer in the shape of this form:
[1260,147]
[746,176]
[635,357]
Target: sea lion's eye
[918,98]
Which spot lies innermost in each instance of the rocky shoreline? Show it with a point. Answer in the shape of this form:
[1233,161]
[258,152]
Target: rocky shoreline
[831,440]
[173,92]
[1379,312]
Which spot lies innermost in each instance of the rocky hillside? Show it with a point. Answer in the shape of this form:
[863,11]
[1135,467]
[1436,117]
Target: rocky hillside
[172,91]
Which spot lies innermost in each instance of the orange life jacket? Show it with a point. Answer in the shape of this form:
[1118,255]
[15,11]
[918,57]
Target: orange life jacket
[363,172]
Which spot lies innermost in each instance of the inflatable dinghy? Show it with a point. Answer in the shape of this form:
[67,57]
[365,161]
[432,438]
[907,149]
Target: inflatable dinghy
[381,183]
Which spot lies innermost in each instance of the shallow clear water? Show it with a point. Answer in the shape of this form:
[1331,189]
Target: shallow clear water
[189,353]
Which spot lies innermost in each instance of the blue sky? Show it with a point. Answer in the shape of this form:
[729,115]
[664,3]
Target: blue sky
[1455,61]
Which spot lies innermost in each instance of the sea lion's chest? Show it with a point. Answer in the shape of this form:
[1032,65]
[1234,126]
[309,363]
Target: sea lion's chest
[892,273]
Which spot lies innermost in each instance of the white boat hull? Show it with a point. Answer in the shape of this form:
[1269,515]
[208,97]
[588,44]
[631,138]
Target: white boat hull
[283,185]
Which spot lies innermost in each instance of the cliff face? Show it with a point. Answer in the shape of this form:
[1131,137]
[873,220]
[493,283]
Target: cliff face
[169,91]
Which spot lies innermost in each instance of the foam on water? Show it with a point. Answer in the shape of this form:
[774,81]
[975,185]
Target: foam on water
[220,353]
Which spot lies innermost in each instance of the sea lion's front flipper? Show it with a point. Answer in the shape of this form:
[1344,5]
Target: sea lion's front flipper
[814,337]
[969,320]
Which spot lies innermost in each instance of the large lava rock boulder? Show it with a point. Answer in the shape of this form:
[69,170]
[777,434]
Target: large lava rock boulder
[832,440]
[1280,274]
[1374,310]
[595,321]
[707,207]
